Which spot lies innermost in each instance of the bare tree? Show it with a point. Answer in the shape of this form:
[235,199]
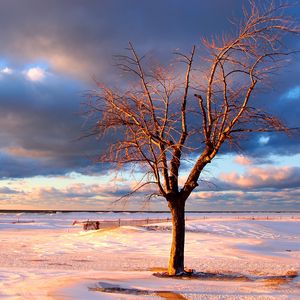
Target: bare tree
[163,117]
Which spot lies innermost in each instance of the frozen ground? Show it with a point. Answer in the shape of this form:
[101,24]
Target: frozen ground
[51,259]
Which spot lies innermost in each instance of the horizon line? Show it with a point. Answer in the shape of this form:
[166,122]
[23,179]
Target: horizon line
[143,211]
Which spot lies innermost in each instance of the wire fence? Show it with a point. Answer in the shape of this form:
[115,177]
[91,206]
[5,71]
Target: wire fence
[251,217]
[94,225]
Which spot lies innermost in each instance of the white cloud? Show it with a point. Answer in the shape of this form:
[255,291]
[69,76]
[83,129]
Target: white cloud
[35,74]
[6,70]
[293,93]
[243,160]
[263,140]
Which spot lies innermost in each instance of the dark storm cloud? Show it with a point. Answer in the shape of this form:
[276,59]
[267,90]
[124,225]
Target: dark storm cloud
[281,100]
[87,33]
[39,120]
[276,102]
[40,127]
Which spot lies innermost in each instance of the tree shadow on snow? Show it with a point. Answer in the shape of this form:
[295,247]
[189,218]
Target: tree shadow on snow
[270,280]
[275,280]
[104,287]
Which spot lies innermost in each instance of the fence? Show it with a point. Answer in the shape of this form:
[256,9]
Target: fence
[93,225]
[249,217]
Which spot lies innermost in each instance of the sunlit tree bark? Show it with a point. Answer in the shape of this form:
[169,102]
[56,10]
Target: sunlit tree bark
[165,116]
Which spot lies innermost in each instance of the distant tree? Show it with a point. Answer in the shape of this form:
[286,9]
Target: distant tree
[163,117]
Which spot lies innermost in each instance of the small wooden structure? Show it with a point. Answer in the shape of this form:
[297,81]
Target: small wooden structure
[88,225]
[91,225]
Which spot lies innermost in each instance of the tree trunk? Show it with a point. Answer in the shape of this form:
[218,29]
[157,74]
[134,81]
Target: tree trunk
[176,262]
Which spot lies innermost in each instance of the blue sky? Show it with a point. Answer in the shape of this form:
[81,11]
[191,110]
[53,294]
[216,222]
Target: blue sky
[50,53]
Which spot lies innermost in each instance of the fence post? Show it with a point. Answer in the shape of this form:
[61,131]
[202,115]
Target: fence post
[119,222]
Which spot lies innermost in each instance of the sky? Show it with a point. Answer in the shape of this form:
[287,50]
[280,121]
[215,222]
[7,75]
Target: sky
[51,52]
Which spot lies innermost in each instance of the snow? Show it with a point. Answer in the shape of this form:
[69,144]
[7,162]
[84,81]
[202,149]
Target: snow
[49,258]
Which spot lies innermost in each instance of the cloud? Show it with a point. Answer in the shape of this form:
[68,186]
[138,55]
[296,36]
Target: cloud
[59,192]
[21,152]
[40,124]
[263,140]
[243,160]
[6,70]
[272,200]
[8,191]
[101,192]
[35,74]
[262,178]
[81,42]
[293,93]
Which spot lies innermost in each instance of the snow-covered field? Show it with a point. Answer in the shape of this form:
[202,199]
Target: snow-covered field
[43,256]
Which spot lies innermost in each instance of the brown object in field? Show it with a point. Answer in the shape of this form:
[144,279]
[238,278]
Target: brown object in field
[91,225]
